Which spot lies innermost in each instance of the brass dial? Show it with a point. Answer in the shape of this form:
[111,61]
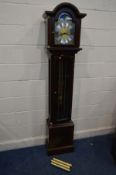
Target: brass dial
[64,30]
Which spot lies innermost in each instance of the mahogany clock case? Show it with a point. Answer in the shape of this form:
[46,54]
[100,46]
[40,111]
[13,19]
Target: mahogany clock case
[61,72]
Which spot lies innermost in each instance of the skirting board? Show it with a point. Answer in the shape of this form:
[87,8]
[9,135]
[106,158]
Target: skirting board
[93,132]
[34,141]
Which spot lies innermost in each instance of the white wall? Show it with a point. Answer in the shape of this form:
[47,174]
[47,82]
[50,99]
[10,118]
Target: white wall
[24,66]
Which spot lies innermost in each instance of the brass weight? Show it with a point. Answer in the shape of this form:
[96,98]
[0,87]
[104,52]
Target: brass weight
[61,164]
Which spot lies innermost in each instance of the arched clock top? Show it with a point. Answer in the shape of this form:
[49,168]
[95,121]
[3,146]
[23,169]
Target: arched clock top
[63,28]
[64,6]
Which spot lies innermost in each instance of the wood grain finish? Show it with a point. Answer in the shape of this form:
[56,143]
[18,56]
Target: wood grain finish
[60,137]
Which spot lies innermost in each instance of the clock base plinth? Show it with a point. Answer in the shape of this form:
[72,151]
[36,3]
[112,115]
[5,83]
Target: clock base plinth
[60,138]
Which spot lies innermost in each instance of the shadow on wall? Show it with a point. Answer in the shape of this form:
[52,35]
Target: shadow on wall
[99,102]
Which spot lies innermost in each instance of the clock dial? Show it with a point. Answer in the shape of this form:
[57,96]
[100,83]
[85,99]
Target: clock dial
[64,30]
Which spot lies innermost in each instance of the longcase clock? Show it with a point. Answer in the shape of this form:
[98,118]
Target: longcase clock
[63,26]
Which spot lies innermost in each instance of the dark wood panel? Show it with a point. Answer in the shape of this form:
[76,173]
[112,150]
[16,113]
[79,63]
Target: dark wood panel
[60,138]
[60,87]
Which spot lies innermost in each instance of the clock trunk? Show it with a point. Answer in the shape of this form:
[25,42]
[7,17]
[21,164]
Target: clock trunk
[60,87]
